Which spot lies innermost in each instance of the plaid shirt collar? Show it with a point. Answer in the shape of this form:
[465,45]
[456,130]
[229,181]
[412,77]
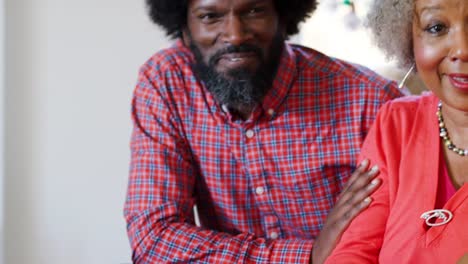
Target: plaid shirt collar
[284,79]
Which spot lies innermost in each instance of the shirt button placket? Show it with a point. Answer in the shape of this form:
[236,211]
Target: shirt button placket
[272,228]
[260,191]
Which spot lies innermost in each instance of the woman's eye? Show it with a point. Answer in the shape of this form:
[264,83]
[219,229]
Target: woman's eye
[436,29]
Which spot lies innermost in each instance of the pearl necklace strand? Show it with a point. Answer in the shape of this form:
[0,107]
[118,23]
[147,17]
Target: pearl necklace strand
[444,134]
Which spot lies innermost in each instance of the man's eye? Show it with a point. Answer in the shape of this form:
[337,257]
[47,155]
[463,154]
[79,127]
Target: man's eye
[208,17]
[255,10]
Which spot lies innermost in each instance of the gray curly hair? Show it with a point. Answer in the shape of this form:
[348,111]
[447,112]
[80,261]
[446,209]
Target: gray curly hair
[390,22]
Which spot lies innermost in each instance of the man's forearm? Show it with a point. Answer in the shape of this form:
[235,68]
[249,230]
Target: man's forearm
[157,240]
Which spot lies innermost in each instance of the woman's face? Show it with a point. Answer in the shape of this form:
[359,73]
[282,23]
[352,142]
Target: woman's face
[440,42]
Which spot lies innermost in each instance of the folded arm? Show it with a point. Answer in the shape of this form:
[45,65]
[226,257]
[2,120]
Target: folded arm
[160,198]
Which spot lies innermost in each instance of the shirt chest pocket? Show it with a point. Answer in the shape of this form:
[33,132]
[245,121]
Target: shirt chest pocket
[313,162]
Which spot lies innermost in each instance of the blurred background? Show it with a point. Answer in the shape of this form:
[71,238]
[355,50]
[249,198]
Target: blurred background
[67,71]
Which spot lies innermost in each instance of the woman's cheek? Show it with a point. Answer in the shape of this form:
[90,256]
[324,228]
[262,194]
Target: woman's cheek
[428,57]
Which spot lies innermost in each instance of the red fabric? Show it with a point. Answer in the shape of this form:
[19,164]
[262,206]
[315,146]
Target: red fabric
[404,142]
[445,188]
[263,187]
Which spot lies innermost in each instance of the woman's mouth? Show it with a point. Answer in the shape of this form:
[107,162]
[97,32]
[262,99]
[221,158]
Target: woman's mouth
[459,81]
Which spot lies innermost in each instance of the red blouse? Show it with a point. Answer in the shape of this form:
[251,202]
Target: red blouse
[445,188]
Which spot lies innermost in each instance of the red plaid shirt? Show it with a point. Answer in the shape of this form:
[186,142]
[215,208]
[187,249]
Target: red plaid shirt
[263,187]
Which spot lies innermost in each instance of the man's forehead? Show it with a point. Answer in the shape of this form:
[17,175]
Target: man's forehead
[224,3]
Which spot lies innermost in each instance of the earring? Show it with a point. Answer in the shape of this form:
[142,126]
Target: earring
[403,81]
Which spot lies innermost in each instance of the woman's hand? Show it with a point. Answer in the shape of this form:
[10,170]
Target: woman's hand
[353,199]
[463,260]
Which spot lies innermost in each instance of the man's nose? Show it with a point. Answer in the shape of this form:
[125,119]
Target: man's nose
[236,31]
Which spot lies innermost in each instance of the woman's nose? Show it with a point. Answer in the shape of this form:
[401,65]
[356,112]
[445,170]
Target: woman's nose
[459,50]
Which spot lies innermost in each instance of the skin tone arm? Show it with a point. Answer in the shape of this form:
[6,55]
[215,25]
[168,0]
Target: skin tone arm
[353,199]
[463,260]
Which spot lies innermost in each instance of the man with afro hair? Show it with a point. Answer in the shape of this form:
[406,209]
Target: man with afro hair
[259,134]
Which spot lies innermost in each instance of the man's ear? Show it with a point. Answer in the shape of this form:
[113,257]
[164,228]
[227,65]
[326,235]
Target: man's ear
[186,37]
[282,28]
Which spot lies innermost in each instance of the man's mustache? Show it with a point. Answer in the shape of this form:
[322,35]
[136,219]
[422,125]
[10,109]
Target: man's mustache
[235,49]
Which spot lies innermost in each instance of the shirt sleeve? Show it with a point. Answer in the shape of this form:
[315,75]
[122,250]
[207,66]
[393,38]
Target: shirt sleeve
[362,241]
[392,91]
[160,195]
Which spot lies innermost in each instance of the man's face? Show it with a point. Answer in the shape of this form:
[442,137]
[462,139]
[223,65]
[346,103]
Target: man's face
[236,42]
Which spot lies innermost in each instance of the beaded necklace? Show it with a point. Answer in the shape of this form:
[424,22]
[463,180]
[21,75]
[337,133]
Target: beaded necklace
[444,134]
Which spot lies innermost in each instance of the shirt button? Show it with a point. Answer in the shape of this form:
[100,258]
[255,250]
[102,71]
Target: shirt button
[271,111]
[249,133]
[274,235]
[260,190]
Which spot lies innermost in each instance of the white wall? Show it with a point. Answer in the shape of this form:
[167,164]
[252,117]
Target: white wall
[2,121]
[71,68]
[328,30]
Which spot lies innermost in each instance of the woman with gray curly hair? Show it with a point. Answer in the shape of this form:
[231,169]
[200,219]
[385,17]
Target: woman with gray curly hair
[420,143]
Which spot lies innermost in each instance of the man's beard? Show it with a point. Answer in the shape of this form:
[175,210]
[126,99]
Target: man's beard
[239,89]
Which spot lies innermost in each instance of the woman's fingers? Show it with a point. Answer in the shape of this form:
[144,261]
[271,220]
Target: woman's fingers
[356,197]
[360,184]
[362,168]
